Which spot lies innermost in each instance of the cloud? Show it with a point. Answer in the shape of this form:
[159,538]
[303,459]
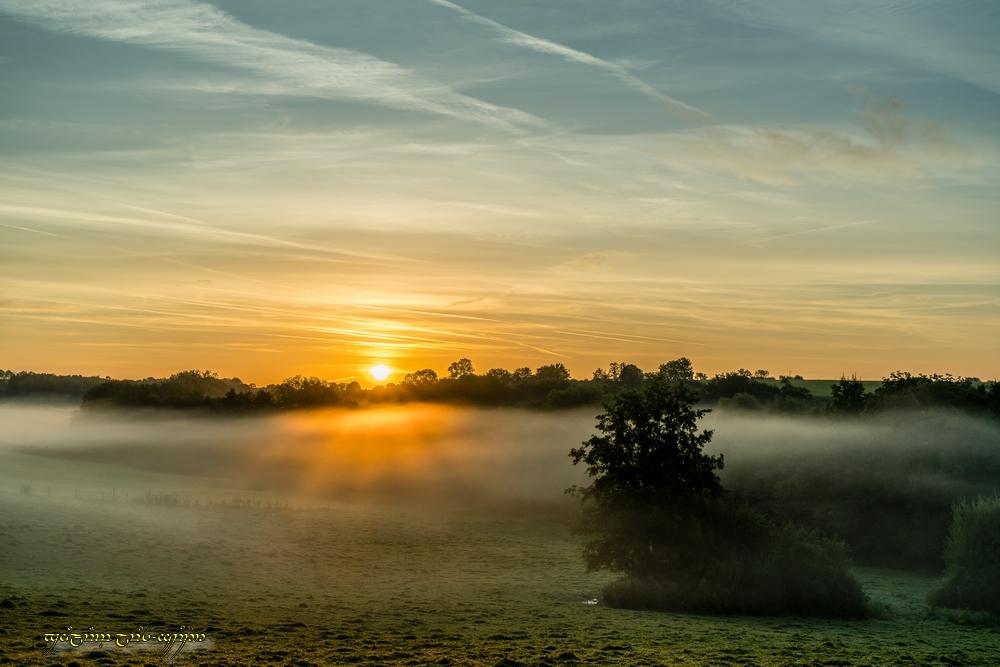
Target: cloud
[32,230]
[955,38]
[885,145]
[811,230]
[539,45]
[77,218]
[285,65]
[589,262]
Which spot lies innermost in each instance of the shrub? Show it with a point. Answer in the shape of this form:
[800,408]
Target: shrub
[972,558]
[742,563]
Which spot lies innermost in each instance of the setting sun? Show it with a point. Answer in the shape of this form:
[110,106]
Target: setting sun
[380,372]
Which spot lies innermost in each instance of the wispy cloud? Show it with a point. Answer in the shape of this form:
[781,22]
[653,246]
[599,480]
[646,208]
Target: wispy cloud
[194,231]
[588,262]
[32,230]
[540,45]
[810,230]
[886,144]
[286,65]
[956,38]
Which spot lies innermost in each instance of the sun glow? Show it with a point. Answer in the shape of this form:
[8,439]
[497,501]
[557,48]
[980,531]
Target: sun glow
[380,372]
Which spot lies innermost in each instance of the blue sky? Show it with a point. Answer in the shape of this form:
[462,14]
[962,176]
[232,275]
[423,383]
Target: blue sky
[312,187]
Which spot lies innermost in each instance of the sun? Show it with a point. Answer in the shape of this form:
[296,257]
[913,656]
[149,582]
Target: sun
[380,372]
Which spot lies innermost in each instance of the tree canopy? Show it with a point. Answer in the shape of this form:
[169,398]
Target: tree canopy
[649,473]
[650,444]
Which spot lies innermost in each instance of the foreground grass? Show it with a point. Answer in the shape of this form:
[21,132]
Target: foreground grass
[380,586]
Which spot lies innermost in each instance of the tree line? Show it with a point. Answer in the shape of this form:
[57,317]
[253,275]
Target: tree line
[549,386]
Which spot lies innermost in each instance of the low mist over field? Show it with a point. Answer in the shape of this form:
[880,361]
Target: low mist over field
[455,457]
[432,449]
[412,453]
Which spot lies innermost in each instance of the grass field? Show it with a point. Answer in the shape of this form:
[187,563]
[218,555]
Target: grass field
[280,578]
[377,585]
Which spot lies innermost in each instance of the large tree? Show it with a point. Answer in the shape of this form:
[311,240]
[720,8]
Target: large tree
[678,369]
[460,368]
[649,475]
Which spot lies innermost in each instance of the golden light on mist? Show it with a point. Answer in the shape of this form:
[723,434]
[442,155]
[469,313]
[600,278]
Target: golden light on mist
[361,451]
[380,372]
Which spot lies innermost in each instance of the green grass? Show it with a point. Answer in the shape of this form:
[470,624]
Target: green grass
[387,586]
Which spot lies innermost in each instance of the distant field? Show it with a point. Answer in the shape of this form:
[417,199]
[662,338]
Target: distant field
[377,585]
[821,388]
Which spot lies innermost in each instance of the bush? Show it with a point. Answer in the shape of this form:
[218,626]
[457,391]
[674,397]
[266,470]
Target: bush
[728,385]
[741,563]
[972,558]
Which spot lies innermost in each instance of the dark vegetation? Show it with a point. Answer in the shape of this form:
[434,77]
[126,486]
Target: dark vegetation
[548,386]
[27,384]
[972,556]
[884,484]
[657,513]
[188,389]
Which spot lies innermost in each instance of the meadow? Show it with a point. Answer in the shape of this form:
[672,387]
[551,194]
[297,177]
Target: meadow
[404,537]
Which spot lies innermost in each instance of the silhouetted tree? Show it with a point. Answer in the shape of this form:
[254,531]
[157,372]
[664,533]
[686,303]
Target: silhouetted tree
[522,373]
[304,392]
[420,379]
[553,374]
[647,456]
[25,383]
[678,369]
[501,374]
[848,396]
[630,376]
[460,368]
[903,390]
[728,385]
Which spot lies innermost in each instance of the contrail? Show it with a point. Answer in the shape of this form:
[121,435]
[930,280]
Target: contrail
[537,44]
[811,230]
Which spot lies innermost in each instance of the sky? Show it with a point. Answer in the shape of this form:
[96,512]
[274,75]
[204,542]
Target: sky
[310,187]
